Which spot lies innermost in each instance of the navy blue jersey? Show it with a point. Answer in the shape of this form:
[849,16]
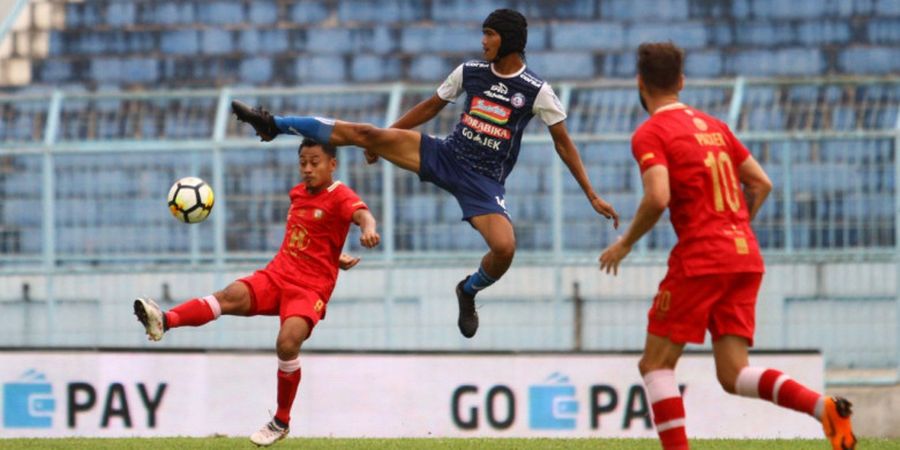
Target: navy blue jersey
[497,110]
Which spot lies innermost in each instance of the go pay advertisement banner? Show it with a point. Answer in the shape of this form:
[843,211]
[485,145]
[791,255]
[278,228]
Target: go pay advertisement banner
[377,395]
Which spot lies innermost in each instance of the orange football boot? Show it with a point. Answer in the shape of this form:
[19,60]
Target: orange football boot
[836,423]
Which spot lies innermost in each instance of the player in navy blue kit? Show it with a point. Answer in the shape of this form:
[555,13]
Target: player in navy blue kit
[472,163]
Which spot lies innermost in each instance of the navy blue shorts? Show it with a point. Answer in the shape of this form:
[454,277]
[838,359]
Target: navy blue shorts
[477,194]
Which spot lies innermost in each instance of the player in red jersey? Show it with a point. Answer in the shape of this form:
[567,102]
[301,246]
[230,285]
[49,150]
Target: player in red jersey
[295,285]
[691,163]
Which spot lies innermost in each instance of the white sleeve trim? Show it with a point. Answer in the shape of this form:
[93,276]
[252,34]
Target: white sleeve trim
[548,107]
[452,87]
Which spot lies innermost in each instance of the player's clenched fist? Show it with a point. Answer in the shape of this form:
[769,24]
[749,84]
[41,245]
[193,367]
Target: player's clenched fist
[369,238]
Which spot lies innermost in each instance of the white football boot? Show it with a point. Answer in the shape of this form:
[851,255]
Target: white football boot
[269,434]
[150,316]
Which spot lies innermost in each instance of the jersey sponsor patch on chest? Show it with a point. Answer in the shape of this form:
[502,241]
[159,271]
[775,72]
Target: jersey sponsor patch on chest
[489,110]
[486,128]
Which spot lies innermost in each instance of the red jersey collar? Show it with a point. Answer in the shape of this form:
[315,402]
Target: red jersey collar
[670,107]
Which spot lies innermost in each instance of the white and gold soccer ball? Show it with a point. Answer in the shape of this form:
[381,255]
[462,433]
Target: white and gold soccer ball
[191,200]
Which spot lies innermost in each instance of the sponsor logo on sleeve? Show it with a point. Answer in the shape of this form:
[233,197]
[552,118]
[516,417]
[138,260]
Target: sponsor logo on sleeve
[531,80]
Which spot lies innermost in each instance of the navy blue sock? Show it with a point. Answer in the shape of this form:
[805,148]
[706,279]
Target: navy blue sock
[317,128]
[478,281]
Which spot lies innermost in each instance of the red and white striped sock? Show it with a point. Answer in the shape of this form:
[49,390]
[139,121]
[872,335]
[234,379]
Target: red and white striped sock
[780,389]
[288,381]
[668,408]
[194,313]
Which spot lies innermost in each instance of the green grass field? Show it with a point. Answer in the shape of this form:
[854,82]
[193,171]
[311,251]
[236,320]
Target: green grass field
[417,444]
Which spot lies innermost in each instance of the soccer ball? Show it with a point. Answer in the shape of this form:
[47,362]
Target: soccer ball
[191,200]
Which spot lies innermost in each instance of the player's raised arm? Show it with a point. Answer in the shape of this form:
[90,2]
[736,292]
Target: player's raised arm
[366,222]
[653,204]
[421,113]
[756,184]
[566,150]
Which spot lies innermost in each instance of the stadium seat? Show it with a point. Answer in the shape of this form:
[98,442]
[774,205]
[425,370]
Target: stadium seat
[216,40]
[329,41]
[308,12]
[655,9]
[608,153]
[562,65]
[823,32]
[180,42]
[708,63]
[220,12]
[452,10]
[263,13]
[689,35]
[375,68]
[256,70]
[384,12]
[528,179]
[571,36]
[869,60]
[321,69]
[429,67]
[416,210]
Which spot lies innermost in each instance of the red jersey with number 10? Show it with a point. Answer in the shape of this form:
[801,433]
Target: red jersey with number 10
[317,226]
[707,206]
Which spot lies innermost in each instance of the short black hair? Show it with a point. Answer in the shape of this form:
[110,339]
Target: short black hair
[329,150]
[660,64]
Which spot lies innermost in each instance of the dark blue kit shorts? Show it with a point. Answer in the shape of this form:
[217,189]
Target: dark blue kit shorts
[477,194]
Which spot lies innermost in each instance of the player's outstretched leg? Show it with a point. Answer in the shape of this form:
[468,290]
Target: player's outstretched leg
[151,317]
[836,423]
[737,377]
[269,434]
[192,313]
[258,118]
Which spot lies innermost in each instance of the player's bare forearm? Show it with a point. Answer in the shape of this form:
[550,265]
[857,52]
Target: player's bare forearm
[755,197]
[421,113]
[569,155]
[757,185]
[653,204]
[648,213]
[368,234]
[566,150]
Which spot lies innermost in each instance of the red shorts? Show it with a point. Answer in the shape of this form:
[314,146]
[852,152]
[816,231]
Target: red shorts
[270,296]
[685,307]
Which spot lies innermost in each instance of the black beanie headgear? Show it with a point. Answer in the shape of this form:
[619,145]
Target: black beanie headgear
[512,28]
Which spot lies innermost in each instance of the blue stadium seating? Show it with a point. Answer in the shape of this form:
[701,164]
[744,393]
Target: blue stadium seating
[428,67]
[766,37]
[441,38]
[651,9]
[263,13]
[562,65]
[387,11]
[220,12]
[587,36]
[374,68]
[309,12]
[788,61]
[869,60]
